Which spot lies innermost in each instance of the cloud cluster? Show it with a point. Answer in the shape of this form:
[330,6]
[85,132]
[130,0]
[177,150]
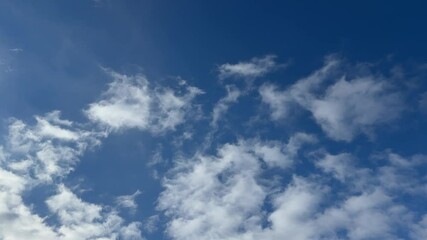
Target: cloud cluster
[342,107]
[216,197]
[226,196]
[44,153]
[251,188]
[130,102]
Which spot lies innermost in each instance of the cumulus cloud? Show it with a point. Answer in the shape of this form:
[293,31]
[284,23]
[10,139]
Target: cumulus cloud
[342,107]
[130,102]
[256,67]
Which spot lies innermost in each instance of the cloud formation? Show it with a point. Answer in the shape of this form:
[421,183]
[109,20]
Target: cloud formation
[225,197]
[256,67]
[130,102]
[344,108]
[42,155]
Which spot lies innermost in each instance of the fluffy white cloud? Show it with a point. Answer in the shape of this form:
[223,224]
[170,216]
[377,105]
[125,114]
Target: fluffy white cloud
[256,67]
[277,154]
[217,197]
[44,154]
[419,231]
[343,108]
[341,166]
[225,196]
[47,150]
[130,102]
[82,220]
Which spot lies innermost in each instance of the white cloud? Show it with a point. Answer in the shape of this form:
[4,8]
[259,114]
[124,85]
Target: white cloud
[43,154]
[16,50]
[224,103]
[82,220]
[256,67]
[129,102]
[152,223]
[48,149]
[277,154]
[419,231]
[345,108]
[217,197]
[128,201]
[341,166]
[214,197]
[224,196]
[350,107]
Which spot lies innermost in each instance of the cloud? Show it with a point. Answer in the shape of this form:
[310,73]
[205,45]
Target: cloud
[47,150]
[82,220]
[16,50]
[128,201]
[216,197]
[130,102]
[277,154]
[43,154]
[343,108]
[225,196]
[224,103]
[419,231]
[152,223]
[423,103]
[341,166]
[256,67]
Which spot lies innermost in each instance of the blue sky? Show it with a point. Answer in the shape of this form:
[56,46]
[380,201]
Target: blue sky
[213,120]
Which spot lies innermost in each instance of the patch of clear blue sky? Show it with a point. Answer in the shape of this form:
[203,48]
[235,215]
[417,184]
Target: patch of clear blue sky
[65,42]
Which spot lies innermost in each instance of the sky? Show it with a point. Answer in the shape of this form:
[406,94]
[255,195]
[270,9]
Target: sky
[235,120]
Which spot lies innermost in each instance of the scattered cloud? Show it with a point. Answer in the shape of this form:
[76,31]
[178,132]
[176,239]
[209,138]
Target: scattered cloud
[43,154]
[216,197]
[224,197]
[248,189]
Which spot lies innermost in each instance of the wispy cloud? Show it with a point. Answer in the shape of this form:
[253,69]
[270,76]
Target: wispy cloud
[128,201]
[254,68]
